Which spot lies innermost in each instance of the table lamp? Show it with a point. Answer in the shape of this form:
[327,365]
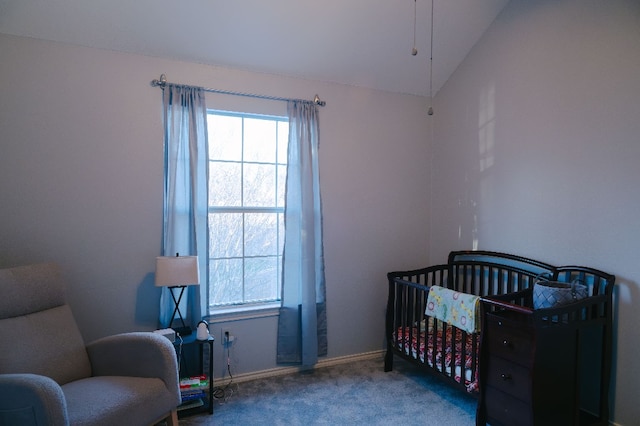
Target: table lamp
[177,272]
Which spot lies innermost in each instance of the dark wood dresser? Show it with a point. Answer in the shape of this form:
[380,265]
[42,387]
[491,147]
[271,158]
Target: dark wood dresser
[530,372]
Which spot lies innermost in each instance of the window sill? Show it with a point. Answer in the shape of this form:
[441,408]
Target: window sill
[244,312]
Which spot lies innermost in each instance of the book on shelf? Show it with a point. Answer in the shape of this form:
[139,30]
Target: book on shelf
[193,388]
[192,396]
[194,383]
[192,391]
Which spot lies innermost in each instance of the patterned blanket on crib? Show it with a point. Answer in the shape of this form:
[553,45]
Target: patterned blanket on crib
[459,309]
[414,340]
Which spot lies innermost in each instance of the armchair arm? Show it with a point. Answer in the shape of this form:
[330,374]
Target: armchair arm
[138,354]
[31,399]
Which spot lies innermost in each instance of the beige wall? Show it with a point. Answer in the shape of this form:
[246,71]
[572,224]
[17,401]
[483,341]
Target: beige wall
[536,152]
[81,184]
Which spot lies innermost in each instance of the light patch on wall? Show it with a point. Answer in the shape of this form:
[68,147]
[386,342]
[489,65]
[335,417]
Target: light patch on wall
[486,156]
[486,126]
[469,208]
[475,240]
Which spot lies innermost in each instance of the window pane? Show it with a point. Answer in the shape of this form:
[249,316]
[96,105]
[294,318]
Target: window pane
[282,184]
[280,232]
[283,141]
[226,279]
[225,235]
[279,275]
[261,234]
[261,279]
[224,184]
[259,140]
[225,137]
[259,185]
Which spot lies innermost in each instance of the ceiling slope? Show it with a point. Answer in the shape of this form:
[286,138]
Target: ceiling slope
[357,42]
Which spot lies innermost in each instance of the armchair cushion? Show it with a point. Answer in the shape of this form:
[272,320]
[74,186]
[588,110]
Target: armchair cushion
[46,343]
[116,400]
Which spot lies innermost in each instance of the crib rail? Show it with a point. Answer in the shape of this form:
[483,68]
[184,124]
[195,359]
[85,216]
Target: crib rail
[594,309]
[599,284]
[486,273]
[406,304]
[408,292]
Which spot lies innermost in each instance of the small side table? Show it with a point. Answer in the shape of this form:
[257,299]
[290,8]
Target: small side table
[190,342]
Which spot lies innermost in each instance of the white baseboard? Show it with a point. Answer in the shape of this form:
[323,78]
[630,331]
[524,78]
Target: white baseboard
[280,371]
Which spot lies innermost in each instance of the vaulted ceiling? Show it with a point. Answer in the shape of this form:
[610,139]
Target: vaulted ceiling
[357,42]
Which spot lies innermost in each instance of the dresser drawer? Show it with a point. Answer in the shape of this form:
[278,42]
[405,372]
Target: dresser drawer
[509,377]
[503,409]
[509,340]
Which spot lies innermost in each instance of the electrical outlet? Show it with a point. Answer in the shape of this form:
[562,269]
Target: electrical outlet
[227,337]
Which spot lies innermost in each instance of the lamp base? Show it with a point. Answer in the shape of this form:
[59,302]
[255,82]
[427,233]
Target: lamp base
[183,331]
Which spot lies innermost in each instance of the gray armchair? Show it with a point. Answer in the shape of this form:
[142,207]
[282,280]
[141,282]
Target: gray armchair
[49,377]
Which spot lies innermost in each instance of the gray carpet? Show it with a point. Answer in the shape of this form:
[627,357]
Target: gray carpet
[348,394]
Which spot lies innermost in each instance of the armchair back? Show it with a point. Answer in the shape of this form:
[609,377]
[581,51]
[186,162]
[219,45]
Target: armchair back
[37,328]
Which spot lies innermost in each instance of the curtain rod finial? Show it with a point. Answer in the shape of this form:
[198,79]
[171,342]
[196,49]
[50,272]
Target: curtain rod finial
[161,82]
[317,101]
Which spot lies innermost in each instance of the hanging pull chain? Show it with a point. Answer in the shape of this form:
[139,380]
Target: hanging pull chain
[414,51]
[430,110]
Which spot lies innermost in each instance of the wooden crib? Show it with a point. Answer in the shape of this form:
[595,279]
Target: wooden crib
[504,282]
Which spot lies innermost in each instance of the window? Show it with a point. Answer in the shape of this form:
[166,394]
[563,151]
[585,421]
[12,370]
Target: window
[247,174]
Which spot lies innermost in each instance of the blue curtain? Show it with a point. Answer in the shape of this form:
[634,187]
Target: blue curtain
[185,193]
[302,324]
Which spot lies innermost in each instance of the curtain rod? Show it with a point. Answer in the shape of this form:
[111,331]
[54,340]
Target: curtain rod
[162,82]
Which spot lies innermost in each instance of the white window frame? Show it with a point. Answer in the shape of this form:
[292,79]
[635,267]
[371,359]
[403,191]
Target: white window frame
[249,309]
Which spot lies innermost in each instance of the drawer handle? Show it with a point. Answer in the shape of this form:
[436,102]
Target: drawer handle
[506,343]
[505,376]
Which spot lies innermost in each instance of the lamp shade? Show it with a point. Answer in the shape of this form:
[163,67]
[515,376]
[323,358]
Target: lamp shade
[177,271]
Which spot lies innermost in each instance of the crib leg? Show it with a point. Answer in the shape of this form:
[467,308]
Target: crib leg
[388,361]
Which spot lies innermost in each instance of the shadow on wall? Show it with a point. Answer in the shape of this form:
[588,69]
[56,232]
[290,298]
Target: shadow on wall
[148,303]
